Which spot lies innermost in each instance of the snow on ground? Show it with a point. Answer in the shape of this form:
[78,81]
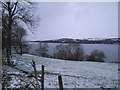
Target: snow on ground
[75,74]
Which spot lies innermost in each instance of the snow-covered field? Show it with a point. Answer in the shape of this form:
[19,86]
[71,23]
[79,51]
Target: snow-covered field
[75,74]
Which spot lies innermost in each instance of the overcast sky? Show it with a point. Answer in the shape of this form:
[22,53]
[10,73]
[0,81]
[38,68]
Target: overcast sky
[76,20]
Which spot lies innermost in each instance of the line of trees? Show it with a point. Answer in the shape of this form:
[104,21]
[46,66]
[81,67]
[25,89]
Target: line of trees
[16,16]
[71,51]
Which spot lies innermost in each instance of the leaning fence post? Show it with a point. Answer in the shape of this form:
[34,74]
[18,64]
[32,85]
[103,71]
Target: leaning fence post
[42,83]
[60,82]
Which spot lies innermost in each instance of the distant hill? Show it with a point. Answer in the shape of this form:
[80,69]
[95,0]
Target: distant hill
[86,41]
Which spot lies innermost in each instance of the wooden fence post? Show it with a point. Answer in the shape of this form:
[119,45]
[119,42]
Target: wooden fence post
[60,82]
[42,83]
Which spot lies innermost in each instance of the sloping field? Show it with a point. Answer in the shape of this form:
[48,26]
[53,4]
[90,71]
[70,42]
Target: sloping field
[75,74]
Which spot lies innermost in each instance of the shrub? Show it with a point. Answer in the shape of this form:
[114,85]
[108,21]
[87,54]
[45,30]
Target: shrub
[97,56]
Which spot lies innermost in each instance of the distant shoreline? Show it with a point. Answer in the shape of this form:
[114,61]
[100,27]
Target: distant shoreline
[72,42]
[83,41]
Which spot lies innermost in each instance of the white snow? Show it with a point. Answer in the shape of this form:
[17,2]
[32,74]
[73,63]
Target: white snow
[38,67]
[75,74]
[17,73]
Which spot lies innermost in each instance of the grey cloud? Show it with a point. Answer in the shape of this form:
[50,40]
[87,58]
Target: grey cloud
[77,20]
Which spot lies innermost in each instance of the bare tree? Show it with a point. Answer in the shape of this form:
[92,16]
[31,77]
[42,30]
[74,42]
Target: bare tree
[61,52]
[42,50]
[12,12]
[69,51]
[97,56]
[17,38]
[78,53]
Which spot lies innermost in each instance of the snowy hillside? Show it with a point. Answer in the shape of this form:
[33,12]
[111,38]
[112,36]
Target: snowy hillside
[76,74]
[87,40]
